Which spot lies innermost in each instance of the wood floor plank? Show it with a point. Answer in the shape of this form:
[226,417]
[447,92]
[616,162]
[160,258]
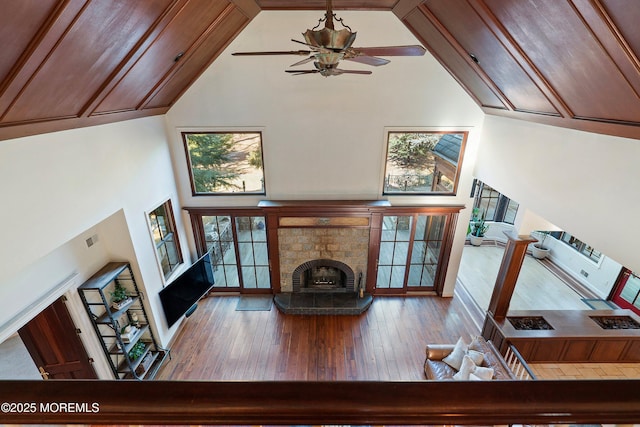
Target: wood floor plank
[386,343]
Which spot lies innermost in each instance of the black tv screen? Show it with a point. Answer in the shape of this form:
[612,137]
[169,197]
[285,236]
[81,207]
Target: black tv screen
[185,291]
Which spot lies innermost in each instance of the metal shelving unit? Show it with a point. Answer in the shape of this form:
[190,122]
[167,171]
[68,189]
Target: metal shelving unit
[110,323]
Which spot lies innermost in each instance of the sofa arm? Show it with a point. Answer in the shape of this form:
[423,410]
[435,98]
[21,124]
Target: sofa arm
[438,351]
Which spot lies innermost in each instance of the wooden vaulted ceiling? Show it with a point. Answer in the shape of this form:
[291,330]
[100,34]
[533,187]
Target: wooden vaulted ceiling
[75,63]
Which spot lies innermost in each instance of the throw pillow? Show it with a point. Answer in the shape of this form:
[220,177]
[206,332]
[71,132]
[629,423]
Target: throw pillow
[476,356]
[482,373]
[466,368]
[469,371]
[454,359]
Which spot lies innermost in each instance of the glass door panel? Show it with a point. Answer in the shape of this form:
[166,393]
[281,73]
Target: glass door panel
[410,248]
[253,252]
[218,234]
[394,248]
[425,253]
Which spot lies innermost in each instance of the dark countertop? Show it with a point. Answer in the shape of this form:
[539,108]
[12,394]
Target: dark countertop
[569,323]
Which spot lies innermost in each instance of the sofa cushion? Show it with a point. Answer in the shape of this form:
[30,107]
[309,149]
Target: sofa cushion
[466,368]
[483,373]
[438,370]
[454,359]
[476,356]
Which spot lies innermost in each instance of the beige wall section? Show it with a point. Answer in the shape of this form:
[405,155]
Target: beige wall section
[586,184]
[63,187]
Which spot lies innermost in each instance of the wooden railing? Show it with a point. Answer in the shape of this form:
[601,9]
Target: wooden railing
[517,364]
[303,402]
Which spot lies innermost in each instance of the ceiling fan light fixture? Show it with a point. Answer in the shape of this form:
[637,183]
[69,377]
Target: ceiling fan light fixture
[330,46]
[330,38]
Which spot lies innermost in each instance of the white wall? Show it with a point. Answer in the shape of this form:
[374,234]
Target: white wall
[601,275]
[61,186]
[586,184]
[324,138]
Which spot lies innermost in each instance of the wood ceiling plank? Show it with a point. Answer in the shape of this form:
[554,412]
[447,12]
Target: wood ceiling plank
[493,58]
[38,49]
[215,40]
[20,22]
[618,31]
[91,48]
[566,52]
[428,31]
[520,57]
[178,37]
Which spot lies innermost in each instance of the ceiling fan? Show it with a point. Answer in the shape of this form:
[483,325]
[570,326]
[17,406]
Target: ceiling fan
[328,46]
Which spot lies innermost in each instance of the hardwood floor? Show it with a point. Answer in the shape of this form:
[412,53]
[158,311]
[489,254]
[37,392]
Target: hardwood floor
[386,343]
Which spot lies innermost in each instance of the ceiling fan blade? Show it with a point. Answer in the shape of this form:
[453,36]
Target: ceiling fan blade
[304,61]
[412,50]
[282,52]
[369,60]
[298,72]
[340,71]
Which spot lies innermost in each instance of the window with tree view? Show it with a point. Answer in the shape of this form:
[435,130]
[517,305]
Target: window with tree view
[423,162]
[225,162]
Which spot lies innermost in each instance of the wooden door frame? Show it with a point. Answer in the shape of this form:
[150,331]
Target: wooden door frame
[617,288]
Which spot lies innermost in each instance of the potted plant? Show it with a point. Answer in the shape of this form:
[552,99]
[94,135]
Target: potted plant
[477,227]
[119,297]
[538,250]
[137,350]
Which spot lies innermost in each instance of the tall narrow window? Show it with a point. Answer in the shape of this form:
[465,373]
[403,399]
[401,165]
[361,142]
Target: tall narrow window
[423,162]
[225,162]
[164,235]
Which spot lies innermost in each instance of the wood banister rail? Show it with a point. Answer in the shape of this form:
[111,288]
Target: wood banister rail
[306,402]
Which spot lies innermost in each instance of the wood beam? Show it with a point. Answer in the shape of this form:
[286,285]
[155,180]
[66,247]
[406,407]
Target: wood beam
[508,274]
[311,403]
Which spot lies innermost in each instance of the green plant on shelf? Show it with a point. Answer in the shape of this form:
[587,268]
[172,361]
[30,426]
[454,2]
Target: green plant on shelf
[137,350]
[118,294]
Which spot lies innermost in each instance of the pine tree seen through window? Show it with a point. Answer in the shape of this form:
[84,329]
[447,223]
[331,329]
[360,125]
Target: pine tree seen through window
[225,162]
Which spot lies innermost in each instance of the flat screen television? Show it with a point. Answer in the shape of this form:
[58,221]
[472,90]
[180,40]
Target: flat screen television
[180,296]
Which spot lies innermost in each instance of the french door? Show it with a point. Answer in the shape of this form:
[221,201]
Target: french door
[410,252]
[626,292]
[239,253]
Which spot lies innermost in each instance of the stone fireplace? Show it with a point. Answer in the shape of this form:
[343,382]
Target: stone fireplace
[321,269]
[323,275]
[345,249]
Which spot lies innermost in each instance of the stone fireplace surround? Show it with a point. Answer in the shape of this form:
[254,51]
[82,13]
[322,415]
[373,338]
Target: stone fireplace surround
[297,246]
[301,248]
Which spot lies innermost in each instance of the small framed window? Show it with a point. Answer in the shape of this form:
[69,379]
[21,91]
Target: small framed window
[495,206]
[163,231]
[421,163]
[225,162]
[586,250]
